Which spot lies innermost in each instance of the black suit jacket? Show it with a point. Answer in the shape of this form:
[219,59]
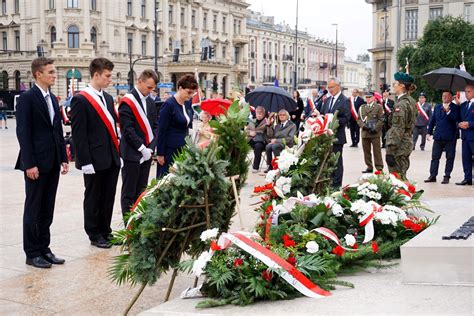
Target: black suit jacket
[41,143]
[342,106]
[132,135]
[93,143]
[357,104]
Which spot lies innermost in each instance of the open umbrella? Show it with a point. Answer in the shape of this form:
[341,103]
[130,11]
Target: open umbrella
[273,99]
[215,107]
[451,79]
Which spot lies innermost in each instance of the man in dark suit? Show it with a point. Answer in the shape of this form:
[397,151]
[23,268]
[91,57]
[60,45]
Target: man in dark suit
[279,136]
[466,124]
[97,150]
[388,105]
[337,102]
[356,103]
[138,121]
[42,152]
[444,129]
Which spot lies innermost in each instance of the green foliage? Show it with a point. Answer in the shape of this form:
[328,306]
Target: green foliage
[441,45]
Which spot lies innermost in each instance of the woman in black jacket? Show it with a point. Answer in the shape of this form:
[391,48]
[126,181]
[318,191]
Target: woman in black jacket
[296,114]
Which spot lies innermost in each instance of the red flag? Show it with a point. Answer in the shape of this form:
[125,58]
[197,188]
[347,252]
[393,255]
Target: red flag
[311,104]
[196,101]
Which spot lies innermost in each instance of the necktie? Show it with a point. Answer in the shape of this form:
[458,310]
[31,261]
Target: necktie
[50,107]
[330,105]
[102,100]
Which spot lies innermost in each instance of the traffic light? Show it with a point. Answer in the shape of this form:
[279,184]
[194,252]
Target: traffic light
[204,53]
[176,55]
[212,52]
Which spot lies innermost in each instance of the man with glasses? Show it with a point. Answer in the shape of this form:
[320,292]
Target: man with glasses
[337,102]
[42,152]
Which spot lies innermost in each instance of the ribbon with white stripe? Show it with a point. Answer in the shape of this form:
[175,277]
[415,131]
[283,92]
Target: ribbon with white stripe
[140,116]
[421,111]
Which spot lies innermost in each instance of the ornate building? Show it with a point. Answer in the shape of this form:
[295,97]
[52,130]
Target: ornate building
[73,32]
[397,22]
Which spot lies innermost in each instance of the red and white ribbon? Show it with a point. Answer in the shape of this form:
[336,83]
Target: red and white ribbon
[387,108]
[367,221]
[353,110]
[287,271]
[421,111]
[326,232]
[139,115]
[319,125]
[311,104]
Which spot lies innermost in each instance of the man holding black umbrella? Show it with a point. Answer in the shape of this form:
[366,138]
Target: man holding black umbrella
[337,102]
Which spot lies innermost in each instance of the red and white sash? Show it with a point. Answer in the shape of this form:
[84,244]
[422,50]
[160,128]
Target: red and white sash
[140,116]
[421,111]
[387,109]
[311,104]
[287,271]
[353,110]
[105,116]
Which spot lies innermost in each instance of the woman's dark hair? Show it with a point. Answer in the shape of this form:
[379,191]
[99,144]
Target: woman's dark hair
[410,87]
[187,82]
[297,94]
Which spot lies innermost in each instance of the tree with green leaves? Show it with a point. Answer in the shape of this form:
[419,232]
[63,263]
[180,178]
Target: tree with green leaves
[441,45]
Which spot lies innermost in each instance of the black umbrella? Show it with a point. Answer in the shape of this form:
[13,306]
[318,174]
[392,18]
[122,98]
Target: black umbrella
[272,98]
[451,79]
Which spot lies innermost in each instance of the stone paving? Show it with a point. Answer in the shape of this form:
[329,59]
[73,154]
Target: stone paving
[81,286]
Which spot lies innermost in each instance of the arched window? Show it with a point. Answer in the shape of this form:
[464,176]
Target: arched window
[4,80]
[94,37]
[73,36]
[52,33]
[17,80]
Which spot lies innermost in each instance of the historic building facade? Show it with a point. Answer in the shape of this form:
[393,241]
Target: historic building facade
[75,31]
[357,75]
[398,22]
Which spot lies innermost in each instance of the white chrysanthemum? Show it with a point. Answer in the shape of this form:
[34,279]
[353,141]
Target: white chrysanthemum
[286,160]
[402,215]
[373,187]
[367,176]
[200,263]
[350,240]
[386,218]
[362,207]
[271,175]
[312,247]
[337,210]
[284,184]
[209,234]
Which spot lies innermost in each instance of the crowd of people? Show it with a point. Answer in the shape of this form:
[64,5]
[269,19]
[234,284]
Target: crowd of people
[107,140]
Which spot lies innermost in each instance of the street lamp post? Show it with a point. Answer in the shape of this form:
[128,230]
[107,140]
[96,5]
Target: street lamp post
[156,38]
[335,24]
[295,54]
[385,43]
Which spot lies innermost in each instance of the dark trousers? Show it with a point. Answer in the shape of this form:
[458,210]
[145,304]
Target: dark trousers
[99,199]
[169,153]
[355,132]
[258,148]
[438,147]
[134,182]
[467,152]
[369,143]
[384,132]
[337,174]
[38,212]
[420,130]
[276,149]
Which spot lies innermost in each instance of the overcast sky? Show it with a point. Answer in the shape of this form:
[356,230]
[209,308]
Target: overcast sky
[354,19]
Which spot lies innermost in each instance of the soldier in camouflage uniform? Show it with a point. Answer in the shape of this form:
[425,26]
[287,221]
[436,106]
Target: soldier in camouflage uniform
[401,121]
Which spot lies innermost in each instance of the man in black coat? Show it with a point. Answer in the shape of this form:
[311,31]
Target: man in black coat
[337,102]
[356,103]
[42,152]
[94,133]
[138,123]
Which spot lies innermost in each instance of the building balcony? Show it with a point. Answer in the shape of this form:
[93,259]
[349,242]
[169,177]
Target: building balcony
[240,68]
[240,39]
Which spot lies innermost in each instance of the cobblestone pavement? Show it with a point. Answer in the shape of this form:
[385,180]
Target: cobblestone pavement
[81,286]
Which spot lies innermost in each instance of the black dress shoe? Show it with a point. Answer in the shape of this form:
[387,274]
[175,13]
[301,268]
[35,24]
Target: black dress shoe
[51,258]
[268,169]
[464,182]
[430,179]
[101,243]
[368,171]
[38,262]
[445,180]
[354,145]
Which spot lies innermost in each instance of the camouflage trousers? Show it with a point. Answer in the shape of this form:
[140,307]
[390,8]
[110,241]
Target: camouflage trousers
[402,163]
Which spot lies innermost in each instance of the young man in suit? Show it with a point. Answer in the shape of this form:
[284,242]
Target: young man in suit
[466,124]
[42,153]
[97,150]
[138,121]
[337,102]
[356,103]
[444,129]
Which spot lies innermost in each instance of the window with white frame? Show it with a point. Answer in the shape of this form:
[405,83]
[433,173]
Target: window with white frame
[436,13]
[411,24]
[467,12]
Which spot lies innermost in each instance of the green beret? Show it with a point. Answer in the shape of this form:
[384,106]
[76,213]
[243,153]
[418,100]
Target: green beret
[403,77]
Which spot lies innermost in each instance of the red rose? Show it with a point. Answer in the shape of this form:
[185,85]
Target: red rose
[275,163]
[291,260]
[215,246]
[375,247]
[267,275]
[287,241]
[411,188]
[378,172]
[355,246]
[269,209]
[338,251]
[238,262]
